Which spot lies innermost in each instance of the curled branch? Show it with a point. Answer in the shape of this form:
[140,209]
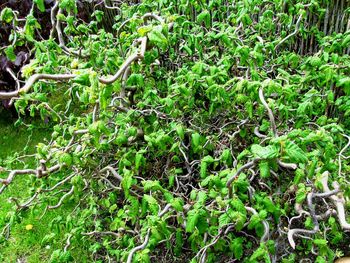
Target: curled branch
[62,199]
[295,231]
[297,25]
[140,247]
[291,166]
[238,172]
[138,55]
[165,210]
[30,82]
[26,204]
[113,171]
[258,134]
[269,112]
[341,154]
[337,200]
[326,194]
[265,236]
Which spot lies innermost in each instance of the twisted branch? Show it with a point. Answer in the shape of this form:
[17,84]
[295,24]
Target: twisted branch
[297,25]
[140,247]
[338,201]
[238,172]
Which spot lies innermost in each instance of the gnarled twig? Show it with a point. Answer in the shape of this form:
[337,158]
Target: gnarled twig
[140,247]
[238,172]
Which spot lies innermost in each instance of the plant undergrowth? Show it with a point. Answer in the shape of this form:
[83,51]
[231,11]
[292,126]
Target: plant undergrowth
[192,131]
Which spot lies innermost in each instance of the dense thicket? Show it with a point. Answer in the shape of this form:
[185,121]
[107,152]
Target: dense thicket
[202,131]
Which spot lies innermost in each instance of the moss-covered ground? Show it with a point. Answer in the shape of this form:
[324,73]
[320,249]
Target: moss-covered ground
[19,243]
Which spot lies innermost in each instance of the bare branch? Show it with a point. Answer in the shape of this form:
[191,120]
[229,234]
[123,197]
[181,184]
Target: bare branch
[113,171]
[265,236]
[138,55]
[238,172]
[140,247]
[297,25]
[67,242]
[337,200]
[59,183]
[31,81]
[14,77]
[291,166]
[165,210]
[26,204]
[341,154]
[62,199]
[153,16]
[269,112]
[296,231]
[258,134]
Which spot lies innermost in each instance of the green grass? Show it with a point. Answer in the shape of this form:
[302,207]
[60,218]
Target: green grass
[22,244]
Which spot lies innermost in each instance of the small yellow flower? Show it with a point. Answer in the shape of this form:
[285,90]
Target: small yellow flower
[29,227]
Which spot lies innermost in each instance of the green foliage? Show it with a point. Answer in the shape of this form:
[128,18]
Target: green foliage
[153,155]
[6,15]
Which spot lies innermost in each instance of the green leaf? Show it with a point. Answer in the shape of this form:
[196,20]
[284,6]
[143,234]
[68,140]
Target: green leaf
[152,204]
[150,185]
[10,53]
[226,155]
[40,4]
[237,247]
[264,169]
[83,79]
[258,253]
[157,38]
[180,132]
[192,219]
[68,5]
[138,160]
[203,170]
[66,159]
[294,153]
[204,17]
[238,205]
[346,41]
[196,141]
[301,193]
[201,198]
[206,180]
[345,83]
[6,15]
[202,224]
[105,95]
[299,175]
[179,241]
[143,30]
[143,256]
[30,26]
[83,29]
[224,219]
[135,79]
[99,15]
[320,242]
[188,50]
[177,204]
[127,183]
[268,152]
[208,159]
[254,220]
[240,220]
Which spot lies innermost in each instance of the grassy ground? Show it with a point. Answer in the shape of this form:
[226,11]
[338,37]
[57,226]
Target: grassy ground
[22,245]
